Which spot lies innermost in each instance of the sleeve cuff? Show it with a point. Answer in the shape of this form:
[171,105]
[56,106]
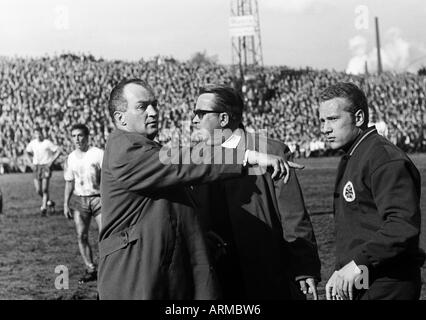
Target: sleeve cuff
[245,158]
[361,259]
[304,277]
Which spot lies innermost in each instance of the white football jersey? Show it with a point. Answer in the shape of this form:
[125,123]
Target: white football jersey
[84,168]
[42,151]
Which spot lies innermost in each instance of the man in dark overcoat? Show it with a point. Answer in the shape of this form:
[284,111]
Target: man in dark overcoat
[151,242]
[260,230]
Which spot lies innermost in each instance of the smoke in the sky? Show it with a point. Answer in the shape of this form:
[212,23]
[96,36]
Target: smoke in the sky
[398,54]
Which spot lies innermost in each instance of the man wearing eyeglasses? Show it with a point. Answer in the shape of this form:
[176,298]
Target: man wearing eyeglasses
[151,242]
[259,229]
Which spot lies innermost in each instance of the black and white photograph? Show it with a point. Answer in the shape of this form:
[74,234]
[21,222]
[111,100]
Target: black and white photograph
[236,152]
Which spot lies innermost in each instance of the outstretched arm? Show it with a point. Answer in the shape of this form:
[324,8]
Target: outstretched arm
[146,166]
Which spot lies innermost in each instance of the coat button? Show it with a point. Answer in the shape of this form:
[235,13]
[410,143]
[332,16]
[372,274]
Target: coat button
[124,238]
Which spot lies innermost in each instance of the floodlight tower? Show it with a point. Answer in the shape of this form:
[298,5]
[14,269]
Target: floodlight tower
[245,34]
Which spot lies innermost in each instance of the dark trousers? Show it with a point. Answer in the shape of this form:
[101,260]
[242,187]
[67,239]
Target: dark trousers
[393,289]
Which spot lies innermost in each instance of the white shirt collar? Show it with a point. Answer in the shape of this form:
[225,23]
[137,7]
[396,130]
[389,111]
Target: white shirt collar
[233,141]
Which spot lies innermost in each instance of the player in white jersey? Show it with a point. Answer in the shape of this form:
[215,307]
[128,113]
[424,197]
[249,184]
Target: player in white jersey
[82,177]
[44,153]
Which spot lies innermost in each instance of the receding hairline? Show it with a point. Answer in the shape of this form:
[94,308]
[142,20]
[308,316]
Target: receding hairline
[207,95]
[145,87]
[123,96]
[349,104]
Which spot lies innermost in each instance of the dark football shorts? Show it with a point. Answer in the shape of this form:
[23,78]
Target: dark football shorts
[86,205]
[42,171]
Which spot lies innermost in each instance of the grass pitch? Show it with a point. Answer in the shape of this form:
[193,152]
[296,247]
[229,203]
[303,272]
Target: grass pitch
[31,247]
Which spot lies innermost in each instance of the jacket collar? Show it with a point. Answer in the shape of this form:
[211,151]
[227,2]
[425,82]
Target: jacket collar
[137,137]
[364,135]
[238,137]
[233,141]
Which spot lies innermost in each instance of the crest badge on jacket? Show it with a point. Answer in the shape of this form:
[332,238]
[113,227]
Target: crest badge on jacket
[349,192]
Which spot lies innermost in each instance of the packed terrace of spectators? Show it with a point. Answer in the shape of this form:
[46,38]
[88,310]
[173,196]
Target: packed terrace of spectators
[56,92]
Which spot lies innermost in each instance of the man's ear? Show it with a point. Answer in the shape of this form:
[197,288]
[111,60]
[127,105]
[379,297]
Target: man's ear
[118,117]
[360,118]
[224,119]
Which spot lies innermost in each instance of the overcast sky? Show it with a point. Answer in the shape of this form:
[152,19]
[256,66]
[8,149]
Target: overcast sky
[297,33]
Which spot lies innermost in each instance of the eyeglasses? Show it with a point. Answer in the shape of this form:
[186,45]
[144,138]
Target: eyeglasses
[201,113]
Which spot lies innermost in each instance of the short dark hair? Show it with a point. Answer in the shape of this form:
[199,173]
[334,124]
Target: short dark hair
[117,101]
[352,93]
[82,127]
[226,99]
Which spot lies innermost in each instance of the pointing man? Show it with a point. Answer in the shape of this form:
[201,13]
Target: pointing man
[151,243]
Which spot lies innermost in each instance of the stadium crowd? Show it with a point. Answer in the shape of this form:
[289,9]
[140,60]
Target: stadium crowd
[56,92]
